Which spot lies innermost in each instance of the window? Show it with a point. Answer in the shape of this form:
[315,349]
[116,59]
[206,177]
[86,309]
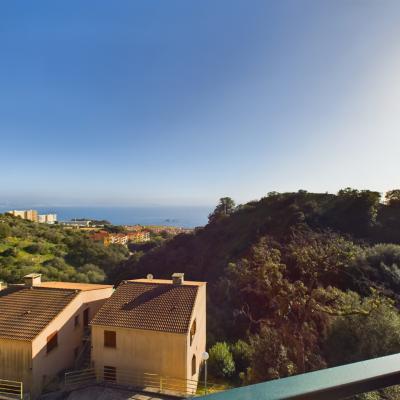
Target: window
[110,374]
[192,332]
[76,321]
[110,339]
[86,317]
[76,352]
[194,366]
[52,342]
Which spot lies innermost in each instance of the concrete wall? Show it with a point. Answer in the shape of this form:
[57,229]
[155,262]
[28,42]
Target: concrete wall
[45,366]
[16,361]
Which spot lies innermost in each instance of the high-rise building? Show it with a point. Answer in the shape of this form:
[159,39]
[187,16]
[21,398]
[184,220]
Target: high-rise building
[47,218]
[31,215]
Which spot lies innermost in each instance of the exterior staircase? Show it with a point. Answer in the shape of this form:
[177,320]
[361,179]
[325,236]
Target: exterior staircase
[82,360]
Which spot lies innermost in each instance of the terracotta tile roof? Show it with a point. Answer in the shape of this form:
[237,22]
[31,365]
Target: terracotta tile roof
[25,312]
[153,306]
[74,285]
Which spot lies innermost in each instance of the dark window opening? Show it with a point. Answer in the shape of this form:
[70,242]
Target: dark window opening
[86,317]
[194,366]
[192,331]
[76,321]
[52,342]
[110,339]
[76,352]
[110,374]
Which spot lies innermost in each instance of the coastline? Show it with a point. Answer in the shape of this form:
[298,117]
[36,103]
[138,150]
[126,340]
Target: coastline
[183,216]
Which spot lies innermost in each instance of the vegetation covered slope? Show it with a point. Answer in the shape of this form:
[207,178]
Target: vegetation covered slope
[55,252]
[287,273]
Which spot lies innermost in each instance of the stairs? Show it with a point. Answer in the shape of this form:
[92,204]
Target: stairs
[82,360]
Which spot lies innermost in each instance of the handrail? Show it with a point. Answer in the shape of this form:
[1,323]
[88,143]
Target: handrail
[11,389]
[145,381]
[327,384]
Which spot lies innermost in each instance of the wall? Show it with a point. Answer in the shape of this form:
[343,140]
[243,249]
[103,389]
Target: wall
[47,365]
[16,361]
[144,351]
[141,351]
[198,346]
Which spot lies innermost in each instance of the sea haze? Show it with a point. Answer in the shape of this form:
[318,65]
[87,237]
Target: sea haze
[188,217]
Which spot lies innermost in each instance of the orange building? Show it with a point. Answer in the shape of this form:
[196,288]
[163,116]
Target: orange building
[139,236]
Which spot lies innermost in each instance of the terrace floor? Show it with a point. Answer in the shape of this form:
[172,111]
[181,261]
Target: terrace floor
[99,392]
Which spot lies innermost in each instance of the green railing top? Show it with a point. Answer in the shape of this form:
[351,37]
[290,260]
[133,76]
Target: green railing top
[327,384]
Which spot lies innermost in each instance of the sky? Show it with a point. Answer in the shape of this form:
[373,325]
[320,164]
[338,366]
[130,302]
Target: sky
[183,102]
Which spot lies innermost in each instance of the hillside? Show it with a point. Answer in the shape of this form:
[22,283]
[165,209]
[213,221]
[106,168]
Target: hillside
[356,216]
[289,274]
[54,251]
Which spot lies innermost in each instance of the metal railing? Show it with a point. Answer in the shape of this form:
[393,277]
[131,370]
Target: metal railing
[146,382]
[327,384]
[11,389]
[80,377]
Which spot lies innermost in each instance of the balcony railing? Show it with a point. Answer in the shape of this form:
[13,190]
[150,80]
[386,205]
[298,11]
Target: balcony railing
[146,382]
[327,384]
[11,389]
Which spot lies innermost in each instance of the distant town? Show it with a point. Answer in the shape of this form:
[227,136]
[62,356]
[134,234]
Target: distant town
[99,229]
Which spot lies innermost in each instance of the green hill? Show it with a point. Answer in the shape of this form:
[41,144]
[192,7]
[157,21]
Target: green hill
[285,272]
[54,251]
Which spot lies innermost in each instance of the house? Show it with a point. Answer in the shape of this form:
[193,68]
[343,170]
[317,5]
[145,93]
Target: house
[110,238]
[101,236]
[42,328]
[151,327]
[118,238]
[139,236]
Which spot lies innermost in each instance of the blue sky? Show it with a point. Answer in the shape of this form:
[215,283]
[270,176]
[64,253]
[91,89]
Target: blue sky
[182,102]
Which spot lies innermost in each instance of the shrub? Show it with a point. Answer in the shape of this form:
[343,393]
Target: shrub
[5,230]
[34,248]
[221,362]
[360,337]
[241,352]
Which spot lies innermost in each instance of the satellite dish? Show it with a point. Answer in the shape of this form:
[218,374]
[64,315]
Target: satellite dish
[150,276]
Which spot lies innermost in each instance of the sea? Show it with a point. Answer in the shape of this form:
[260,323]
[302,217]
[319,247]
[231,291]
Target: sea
[185,216]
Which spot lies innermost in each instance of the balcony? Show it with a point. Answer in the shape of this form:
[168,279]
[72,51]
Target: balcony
[328,384]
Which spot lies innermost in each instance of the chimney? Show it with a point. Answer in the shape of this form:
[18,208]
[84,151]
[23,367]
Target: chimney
[178,278]
[33,279]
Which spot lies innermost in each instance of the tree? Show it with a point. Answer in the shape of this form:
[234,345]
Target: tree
[93,273]
[221,362]
[392,197]
[270,356]
[354,211]
[242,353]
[377,266]
[285,293]
[5,230]
[359,337]
[225,207]
[34,248]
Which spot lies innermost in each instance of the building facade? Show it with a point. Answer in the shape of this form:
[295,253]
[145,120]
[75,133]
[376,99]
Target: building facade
[31,215]
[139,236]
[148,327]
[47,218]
[42,328]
